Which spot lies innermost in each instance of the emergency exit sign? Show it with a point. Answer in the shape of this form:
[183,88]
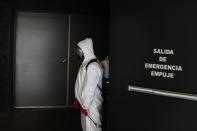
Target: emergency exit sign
[162,68]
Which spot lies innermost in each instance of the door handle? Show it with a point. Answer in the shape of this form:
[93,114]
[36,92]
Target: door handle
[179,95]
[63,60]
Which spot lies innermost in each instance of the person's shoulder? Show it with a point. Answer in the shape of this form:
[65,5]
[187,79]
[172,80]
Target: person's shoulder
[95,66]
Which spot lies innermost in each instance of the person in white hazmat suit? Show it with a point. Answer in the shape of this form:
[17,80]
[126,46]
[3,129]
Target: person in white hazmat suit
[88,86]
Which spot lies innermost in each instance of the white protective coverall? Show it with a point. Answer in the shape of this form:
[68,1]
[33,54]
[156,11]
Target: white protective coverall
[86,87]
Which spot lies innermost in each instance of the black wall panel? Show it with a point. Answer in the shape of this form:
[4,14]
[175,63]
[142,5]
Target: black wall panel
[5,50]
[137,27]
[81,27]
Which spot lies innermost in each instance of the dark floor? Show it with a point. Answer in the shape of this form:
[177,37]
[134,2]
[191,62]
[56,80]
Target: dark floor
[40,120]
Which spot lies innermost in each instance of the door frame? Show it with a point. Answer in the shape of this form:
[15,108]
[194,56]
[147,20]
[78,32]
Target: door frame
[13,55]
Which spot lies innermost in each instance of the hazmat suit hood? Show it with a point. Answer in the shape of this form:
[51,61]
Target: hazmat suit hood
[86,46]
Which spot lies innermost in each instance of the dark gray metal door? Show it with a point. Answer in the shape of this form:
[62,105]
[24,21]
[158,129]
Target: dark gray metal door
[41,59]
